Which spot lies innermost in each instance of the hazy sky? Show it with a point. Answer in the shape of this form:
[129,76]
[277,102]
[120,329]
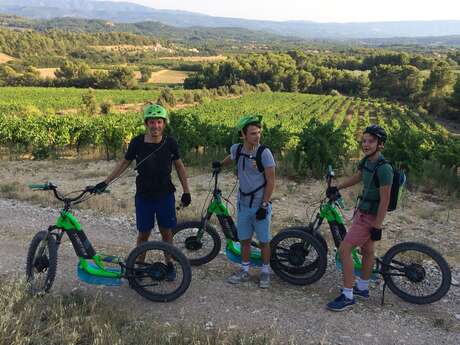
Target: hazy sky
[317,10]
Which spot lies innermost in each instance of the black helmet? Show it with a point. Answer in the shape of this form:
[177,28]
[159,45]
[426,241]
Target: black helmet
[378,131]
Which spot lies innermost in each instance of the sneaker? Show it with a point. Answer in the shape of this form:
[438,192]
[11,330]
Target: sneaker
[170,272]
[238,277]
[264,282]
[340,303]
[360,293]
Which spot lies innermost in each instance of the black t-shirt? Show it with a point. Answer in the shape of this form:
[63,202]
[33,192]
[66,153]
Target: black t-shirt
[154,174]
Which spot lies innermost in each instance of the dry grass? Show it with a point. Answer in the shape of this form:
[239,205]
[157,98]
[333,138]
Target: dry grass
[47,72]
[195,58]
[78,319]
[5,58]
[166,76]
[132,48]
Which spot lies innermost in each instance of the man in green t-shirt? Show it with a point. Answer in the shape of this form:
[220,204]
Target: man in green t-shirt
[368,219]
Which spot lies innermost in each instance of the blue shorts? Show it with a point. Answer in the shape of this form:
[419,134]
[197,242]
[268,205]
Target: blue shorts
[163,209]
[247,223]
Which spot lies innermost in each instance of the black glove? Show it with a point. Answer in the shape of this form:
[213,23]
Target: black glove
[332,192]
[216,165]
[376,234]
[186,199]
[261,213]
[99,188]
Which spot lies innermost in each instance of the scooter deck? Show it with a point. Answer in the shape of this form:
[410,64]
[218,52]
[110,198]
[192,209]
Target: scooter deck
[95,280]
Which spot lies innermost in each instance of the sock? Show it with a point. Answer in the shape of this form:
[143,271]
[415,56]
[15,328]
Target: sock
[265,268]
[362,284]
[245,266]
[348,292]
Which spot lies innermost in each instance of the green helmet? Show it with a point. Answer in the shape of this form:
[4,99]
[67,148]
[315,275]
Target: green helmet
[247,120]
[155,111]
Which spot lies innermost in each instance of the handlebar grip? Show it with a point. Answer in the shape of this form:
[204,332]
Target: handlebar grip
[38,186]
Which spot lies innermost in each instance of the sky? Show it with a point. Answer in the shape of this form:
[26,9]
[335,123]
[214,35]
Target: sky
[318,10]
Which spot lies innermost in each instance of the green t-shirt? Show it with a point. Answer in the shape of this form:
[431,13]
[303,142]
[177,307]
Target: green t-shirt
[369,202]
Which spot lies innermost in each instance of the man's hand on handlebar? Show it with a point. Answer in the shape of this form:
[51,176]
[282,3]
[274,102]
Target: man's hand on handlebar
[97,189]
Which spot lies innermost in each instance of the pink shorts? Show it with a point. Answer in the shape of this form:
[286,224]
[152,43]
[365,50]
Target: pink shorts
[360,231]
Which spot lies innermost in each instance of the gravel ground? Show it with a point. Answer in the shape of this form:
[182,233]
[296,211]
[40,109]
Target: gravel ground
[289,312]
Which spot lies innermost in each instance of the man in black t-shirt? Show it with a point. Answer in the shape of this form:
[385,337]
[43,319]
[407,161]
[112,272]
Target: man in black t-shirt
[155,154]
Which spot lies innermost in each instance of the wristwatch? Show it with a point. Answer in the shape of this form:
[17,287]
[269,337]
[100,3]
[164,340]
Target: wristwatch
[265,204]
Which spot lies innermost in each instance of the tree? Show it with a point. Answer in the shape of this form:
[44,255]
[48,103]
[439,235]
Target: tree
[321,144]
[6,74]
[441,78]
[455,98]
[88,101]
[119,78]
[70,70]
[306,79]
[394,59]
[437,87]
[167,98]
[146,73]
[396,82]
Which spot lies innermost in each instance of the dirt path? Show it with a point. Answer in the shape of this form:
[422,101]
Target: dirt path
[290,312]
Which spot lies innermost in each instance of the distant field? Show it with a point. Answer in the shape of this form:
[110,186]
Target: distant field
[168,77]
[194,58]
[14,99]
[160,77]
[5,58]
[133,48]
[47,72]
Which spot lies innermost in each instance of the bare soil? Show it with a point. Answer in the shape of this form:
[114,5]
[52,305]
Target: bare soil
[5,58]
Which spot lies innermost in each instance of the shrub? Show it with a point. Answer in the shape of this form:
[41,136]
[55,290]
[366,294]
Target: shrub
[106,107]
[320,145]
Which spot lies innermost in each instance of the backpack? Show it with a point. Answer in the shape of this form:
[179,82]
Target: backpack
[399,180]
[257,158]
[259,164]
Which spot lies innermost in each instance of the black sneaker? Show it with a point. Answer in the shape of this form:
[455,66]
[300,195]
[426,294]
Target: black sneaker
[340,303]
[360,293]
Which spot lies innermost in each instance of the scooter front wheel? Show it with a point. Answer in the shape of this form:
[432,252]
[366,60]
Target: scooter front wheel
[41,263]
[200,245]
[298,257]
[158,271]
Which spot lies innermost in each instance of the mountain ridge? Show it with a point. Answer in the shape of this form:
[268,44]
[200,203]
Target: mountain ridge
[126,12]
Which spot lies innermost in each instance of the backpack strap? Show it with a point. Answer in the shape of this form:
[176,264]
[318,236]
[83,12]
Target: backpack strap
[259,163]
[260,167]
[237,156]
[258,157]
[376,175]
